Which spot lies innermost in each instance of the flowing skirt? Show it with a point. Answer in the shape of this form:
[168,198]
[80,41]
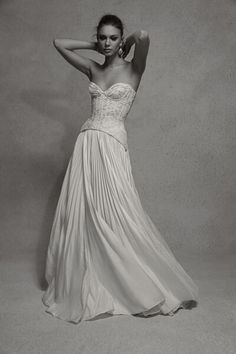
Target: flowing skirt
[105,255]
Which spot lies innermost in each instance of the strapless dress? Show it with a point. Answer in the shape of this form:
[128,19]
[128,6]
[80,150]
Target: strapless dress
[105,255]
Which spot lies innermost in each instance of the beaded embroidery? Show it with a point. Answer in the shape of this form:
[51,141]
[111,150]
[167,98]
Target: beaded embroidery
[109,109]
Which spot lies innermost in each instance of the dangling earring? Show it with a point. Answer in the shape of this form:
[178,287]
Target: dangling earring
[120,51]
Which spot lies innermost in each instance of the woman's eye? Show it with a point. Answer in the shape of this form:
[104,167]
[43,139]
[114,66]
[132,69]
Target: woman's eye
[103,38]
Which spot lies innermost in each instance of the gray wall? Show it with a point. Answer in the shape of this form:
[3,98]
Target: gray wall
[181,128]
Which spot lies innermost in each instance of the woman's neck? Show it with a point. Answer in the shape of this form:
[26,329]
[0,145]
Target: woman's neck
[111,62]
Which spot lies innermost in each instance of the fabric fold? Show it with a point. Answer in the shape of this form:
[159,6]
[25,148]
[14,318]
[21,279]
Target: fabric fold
[105,254]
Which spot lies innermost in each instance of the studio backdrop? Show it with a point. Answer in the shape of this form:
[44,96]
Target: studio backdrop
[181,128]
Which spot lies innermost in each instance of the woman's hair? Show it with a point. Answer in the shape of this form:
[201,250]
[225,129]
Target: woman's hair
[109,19]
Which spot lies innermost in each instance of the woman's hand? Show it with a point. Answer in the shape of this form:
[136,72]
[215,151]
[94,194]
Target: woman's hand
[96,47]
[127,44]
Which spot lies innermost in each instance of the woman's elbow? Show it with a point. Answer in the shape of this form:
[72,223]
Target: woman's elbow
[144,34]
[56,42]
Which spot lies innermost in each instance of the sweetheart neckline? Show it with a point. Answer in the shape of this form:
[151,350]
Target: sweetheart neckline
[116,83]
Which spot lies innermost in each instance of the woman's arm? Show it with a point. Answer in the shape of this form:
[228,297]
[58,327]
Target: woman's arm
[66,46]
[141,40]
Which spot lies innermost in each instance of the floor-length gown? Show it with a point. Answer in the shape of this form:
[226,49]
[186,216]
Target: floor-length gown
[105,255]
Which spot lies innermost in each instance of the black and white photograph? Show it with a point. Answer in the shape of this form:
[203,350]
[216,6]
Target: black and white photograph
[118,177]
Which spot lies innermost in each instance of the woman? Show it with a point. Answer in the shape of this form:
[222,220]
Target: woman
[105,256]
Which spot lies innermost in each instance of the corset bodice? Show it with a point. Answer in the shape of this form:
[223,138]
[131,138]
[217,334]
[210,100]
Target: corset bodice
[109,109]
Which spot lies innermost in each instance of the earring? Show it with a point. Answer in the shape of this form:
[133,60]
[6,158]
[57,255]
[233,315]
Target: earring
[120,51]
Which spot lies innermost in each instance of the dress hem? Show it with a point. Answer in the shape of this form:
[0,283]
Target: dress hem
[186,305]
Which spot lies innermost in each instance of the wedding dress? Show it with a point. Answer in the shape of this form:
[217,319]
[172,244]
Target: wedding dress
[105,255]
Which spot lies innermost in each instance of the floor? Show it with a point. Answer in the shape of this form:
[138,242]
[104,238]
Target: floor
[26,328]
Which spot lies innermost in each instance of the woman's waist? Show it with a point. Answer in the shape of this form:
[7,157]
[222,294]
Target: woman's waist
[106,123]
[119,134]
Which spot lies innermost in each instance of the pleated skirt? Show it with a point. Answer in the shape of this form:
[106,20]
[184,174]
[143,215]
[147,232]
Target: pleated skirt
[105,255]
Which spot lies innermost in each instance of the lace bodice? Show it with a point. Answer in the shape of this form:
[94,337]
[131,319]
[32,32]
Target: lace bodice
[109,108]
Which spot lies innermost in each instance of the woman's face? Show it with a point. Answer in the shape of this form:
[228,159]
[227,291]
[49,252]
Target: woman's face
[109,39]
